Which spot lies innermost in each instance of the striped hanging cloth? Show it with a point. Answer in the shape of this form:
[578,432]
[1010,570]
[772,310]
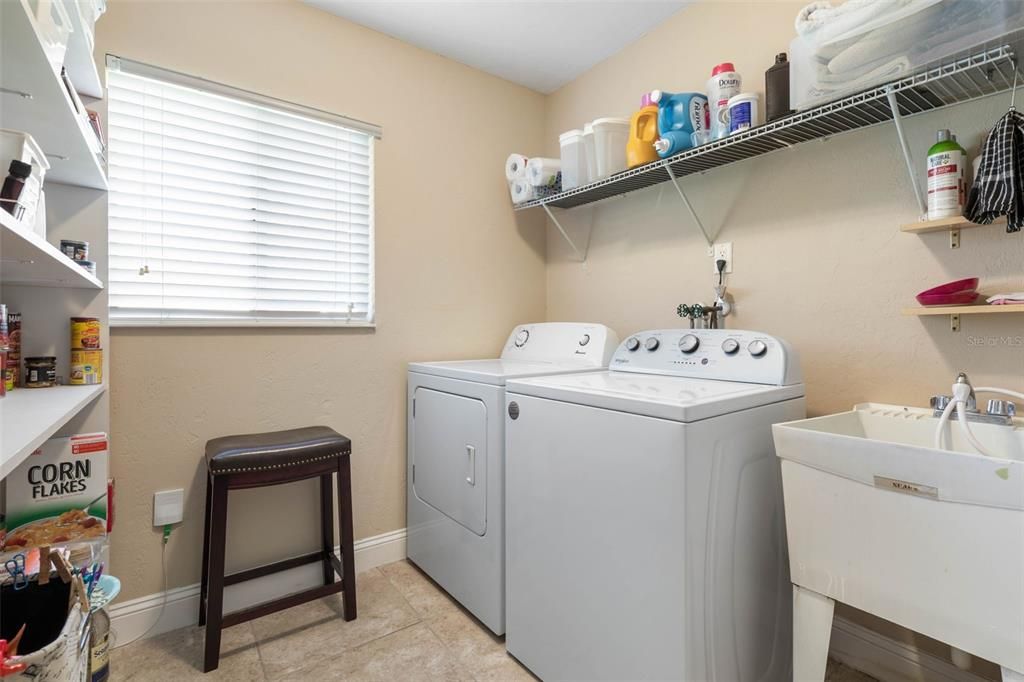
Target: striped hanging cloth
[998,189]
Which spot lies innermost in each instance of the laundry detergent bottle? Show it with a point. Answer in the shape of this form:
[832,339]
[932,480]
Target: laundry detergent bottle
[643,133]
[682,121]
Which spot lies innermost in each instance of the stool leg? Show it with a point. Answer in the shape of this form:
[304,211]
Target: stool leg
[204,583]
[327,525]
[215,596]
[345,522]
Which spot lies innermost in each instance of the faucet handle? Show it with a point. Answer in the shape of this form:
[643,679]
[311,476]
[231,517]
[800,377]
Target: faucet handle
[1002,408]
[939,402]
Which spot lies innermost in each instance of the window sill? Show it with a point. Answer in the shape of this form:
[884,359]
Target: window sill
[251,324]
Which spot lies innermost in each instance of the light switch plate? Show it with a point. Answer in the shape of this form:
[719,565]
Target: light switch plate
[168,506]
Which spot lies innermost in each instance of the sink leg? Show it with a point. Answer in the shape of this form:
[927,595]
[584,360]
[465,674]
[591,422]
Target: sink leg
[1012,675]
[812,629]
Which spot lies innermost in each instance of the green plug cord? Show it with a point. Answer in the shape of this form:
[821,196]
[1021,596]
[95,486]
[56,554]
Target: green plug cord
[167,532]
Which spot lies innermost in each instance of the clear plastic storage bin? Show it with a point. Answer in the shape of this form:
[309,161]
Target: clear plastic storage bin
[855,46]
[23,147]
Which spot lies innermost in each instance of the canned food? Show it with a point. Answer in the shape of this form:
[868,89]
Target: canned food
[86,367]
[85,333]
[88,266]
[13,349]
[74,249]
[41,372]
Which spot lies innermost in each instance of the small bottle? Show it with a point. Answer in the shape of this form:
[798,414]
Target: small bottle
[947,192]
[776,89]
[15,182]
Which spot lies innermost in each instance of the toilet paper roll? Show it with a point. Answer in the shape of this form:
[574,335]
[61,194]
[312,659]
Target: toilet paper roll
[515,167]
[542,172]
[522,191]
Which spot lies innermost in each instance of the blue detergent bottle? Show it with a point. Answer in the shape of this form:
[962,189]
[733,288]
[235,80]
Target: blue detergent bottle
[683,121]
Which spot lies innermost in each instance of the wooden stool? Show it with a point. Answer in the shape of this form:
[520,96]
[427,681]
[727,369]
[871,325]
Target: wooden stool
[262,459]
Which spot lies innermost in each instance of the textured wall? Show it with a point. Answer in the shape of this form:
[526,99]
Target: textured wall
[455,272]
[819,259]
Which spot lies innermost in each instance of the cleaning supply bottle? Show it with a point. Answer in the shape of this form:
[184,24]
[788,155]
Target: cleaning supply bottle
[682,121]
[947,163]
[723,84]
[643,133]
[776,89]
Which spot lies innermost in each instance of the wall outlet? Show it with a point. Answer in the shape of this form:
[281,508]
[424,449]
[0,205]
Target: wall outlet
[721,251]
[168,506]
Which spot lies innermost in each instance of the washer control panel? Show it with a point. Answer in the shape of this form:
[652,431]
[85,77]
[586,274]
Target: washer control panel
[565,342]
[722,354]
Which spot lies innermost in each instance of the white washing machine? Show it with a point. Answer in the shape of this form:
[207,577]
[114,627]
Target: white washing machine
[456,460]
[646,536]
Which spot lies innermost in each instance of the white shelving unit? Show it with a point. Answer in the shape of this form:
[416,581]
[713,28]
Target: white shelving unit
[28,416]
[36,279]
[29,260]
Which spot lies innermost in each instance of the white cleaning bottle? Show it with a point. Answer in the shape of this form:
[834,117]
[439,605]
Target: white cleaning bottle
[947,166]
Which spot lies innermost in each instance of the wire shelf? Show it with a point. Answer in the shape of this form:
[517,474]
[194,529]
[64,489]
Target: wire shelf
[962,78]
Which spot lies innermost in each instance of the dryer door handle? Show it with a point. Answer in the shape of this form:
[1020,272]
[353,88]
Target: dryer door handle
[471,455]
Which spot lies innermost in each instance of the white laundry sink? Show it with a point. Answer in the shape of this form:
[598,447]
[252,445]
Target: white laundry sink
[933,540]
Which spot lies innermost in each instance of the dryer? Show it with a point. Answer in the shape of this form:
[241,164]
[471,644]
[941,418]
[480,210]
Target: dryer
[646,536]
[456,462]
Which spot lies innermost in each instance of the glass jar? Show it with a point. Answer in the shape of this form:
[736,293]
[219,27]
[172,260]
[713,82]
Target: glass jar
[41,372]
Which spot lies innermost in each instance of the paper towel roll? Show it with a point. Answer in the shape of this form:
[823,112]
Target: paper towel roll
[522,191]
[515,167]
[542,172]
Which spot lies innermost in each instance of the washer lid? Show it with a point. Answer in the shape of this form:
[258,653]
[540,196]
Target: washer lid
[494,372]
[665,397]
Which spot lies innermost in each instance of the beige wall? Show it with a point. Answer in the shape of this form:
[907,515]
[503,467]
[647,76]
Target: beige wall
[455,272]
[819,259]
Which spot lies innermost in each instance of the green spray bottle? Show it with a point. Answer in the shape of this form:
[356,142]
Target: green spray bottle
[947,167]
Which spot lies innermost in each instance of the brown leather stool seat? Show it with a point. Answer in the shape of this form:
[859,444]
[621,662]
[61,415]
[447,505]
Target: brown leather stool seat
[262,459]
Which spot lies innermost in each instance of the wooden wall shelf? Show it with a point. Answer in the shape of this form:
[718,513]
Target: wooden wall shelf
[944,224]
[983,309]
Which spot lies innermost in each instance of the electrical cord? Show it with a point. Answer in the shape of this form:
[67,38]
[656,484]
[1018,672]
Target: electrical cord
[163,603]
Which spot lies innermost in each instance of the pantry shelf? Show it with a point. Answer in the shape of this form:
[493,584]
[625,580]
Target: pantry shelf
[26,259]
[29,416]
[34,100]
[986,71]
[945,225]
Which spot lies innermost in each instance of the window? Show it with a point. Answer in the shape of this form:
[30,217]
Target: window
[231,208]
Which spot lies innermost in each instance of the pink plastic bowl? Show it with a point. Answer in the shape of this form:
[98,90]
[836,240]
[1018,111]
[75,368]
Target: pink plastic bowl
[959,286]
[959,298]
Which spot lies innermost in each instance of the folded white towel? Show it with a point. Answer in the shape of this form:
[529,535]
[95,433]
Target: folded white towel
[1006,299]
[824,24]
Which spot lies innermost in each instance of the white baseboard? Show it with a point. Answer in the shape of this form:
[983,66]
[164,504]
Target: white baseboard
[889,660]
[130,620]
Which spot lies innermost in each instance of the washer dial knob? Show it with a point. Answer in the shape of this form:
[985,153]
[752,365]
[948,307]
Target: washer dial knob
[522,337]
[689,343]
[757,348]
[730,346]
[652,343]
[632,343]
[585,339]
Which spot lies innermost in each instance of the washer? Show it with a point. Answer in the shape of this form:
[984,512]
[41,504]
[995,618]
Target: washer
[646,536]
[456,457]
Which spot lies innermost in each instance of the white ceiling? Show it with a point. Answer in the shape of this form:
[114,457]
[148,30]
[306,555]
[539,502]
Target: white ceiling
[542,45]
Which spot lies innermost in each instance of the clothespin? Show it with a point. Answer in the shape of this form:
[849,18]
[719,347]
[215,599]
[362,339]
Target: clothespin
[44,565]
[63,566]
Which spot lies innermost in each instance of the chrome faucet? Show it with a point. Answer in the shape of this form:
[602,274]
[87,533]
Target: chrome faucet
[996,412]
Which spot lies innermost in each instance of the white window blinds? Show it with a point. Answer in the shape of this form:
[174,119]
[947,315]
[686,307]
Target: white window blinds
[226,210]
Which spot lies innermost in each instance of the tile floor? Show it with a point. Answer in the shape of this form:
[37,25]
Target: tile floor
[407,629]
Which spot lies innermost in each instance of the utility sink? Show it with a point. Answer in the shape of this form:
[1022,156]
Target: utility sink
[933,540]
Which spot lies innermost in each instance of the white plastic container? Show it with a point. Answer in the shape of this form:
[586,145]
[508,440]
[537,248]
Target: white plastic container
[610,137]
[591,152]
[875,43]
[574,159]
[23,147]
[724,84]
[744,112]
[54,26]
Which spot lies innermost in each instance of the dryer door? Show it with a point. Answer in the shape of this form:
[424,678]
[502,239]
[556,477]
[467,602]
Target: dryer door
[449,447]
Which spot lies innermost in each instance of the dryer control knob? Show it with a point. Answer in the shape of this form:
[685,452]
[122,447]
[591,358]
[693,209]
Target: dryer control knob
[522,337]
[757,348]
[585,339]
[652,343]
[689,343]
[730,346]
[632,343]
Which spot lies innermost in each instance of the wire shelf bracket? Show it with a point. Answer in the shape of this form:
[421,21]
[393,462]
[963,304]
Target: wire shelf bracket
[897,119]
[581,254]
[689,206]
